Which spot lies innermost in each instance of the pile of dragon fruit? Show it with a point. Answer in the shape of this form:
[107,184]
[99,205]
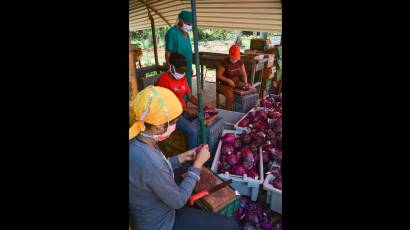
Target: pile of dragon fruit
[251,216]
[276,171]
[243,86]
[209,111]
[264,127]
[238,156]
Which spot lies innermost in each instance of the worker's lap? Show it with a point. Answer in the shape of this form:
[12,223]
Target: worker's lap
[190,218]
[226,90]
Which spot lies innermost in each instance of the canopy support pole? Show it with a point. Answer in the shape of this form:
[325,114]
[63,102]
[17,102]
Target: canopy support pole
[198,74]
[154,39]
[132,77]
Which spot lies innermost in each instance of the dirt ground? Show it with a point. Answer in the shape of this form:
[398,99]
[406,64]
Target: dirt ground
[209,93]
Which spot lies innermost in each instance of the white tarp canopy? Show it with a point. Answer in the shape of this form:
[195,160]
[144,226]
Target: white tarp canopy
[245,15]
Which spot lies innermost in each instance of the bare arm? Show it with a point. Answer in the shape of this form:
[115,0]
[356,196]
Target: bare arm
[167,54]
[243,75]
[193,99]
[219,76]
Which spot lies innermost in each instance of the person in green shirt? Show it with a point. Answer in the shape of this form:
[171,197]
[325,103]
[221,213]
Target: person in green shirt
[177,40]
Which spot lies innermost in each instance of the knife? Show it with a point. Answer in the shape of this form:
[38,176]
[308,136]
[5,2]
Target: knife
[206,192]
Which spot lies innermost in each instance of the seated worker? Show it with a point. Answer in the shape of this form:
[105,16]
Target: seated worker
[155,200]
[176,81]
[229,72]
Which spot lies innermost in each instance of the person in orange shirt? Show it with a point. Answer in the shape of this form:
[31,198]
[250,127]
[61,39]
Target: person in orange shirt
[175,80]
[230,72]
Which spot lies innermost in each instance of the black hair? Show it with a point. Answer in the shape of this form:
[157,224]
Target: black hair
[177,59]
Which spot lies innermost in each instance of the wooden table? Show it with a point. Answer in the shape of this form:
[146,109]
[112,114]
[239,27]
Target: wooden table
[253,65]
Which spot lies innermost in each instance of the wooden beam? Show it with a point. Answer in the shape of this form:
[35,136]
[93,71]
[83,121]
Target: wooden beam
[241,10]
[132,77]
[209,20]
[155,11]
[234,4]
[154,37]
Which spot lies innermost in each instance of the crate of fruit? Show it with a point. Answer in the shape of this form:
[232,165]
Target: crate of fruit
[230,118]
[257,119]
[235,159]
[242,124]
[271,101]
[273,186]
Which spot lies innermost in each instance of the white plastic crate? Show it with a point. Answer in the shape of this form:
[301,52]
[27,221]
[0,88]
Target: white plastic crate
[241,129]
[274,196]
[230,118]
[245,185]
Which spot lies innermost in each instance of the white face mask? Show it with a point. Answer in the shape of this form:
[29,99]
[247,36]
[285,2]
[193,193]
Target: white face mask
[161,137]
[175,74]
[186,27]
[233,61]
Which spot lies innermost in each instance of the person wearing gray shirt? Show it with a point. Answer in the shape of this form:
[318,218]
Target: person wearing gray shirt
[156,202]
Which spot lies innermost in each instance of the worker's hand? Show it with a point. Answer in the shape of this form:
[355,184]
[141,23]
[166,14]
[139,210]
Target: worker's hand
[187,156]
[230,83]
[208,105]
[192,111]
[253,89]
[202,157]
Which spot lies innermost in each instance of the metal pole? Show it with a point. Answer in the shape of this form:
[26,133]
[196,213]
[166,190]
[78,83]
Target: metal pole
[198,74]
[154,39]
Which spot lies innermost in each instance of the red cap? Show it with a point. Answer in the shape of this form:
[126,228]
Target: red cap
[235,52]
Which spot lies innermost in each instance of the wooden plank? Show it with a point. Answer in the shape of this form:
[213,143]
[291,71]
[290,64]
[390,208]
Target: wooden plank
[174,8]
[134,3]
[243,10]
[240,1]
[243,16]
[242,21]
[156,12]
[277,30]
[235,4]
[157,21]
[163,2]
[167,6]
[251,27]
[158,24]
[168,16]
[136,9]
